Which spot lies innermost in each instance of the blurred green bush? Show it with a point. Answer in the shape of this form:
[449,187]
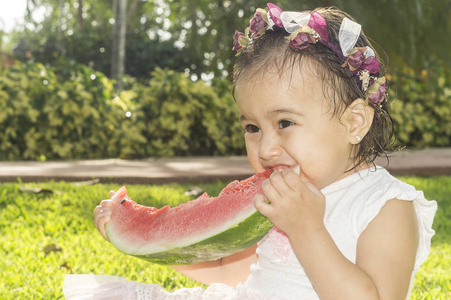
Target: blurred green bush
[421,107]
[47,113]
[171,115]
[72,112]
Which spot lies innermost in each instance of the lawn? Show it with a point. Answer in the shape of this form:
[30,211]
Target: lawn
[45,235]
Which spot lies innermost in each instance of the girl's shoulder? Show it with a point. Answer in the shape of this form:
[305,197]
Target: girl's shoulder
[377,186]
[371,184]
[372,192]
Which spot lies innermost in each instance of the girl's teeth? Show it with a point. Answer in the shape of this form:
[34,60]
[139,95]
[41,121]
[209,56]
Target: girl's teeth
[296,169]
[279,169]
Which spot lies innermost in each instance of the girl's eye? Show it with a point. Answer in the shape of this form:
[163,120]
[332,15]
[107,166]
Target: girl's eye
[251,128]
[285,124]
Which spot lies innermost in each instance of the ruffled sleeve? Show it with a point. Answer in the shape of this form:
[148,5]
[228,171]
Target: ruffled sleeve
[388,188]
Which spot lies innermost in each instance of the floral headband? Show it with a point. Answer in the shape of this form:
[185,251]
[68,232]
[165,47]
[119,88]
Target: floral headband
[305,29]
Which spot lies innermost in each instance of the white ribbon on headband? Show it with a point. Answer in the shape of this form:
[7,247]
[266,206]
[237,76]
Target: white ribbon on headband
[369,52]
[293,21]
[348,35]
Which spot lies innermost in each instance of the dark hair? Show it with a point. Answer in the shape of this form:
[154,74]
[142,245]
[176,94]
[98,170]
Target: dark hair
[272,50]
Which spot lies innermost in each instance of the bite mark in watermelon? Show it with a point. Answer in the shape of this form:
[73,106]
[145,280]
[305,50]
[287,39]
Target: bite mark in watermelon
[204,229]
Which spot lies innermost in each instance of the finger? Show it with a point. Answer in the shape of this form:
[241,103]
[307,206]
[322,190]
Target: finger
[278,182]
[307,186]
[313,189]
[269,191]
[106,203]
[97,209]
[100,219]
[291,178]
[101,228]
[262,205]
[102,206]
[101,211]
[304,178]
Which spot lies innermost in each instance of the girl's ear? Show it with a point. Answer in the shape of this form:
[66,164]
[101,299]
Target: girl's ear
[358,119]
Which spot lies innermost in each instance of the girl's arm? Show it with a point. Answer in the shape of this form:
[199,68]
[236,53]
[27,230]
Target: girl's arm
[385,252]
[229,270]
[385,258]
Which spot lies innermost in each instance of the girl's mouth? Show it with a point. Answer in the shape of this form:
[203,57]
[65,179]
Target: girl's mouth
[279,167]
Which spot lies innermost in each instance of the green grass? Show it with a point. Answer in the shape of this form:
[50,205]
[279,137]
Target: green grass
[433,280]
[30,223]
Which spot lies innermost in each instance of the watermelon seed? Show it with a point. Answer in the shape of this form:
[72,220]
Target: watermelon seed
[123,200]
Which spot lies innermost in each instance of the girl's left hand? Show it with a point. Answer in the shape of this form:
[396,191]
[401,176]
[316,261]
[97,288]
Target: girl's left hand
[102,214]
[291,203]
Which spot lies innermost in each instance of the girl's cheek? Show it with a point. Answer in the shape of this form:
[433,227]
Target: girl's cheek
[251,140]
[252,149]
[251,137]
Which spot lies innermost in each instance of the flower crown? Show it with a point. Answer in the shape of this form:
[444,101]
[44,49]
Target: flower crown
[310,28]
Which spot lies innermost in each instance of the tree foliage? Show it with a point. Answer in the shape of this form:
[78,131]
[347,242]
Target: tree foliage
[71,111]
[61,105]
[173,115]
[195,36]
[56,113]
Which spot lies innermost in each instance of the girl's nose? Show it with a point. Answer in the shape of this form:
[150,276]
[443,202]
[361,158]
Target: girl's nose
[269,147]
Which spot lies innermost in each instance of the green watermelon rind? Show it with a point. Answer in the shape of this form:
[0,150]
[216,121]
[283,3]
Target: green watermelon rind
[235,239]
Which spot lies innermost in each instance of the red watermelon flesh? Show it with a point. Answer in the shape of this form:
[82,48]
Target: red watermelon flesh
[204,229]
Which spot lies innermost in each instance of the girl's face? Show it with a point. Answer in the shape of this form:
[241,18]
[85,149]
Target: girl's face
[289,122]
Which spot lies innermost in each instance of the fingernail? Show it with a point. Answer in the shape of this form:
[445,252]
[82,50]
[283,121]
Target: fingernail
[297,169]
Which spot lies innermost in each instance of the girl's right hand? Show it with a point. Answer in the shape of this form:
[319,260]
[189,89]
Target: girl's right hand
[102,214]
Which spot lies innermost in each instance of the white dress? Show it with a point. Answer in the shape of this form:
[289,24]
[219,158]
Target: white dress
[351,204]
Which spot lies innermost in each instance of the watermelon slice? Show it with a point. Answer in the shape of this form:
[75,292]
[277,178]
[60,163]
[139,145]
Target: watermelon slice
[204,229]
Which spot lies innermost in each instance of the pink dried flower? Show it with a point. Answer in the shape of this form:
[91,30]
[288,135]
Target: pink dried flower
[258,23]
[318,23]
[311,33]
[274,12]
[371,64]
[377,90]
[302,40]
[356,59]
[240,41]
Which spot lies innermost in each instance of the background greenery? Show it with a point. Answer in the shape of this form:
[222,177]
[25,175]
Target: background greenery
[47,233]
[59,103]
[195,35]
[71,111]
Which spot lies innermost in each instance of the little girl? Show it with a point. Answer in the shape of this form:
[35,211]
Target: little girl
[312,95]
